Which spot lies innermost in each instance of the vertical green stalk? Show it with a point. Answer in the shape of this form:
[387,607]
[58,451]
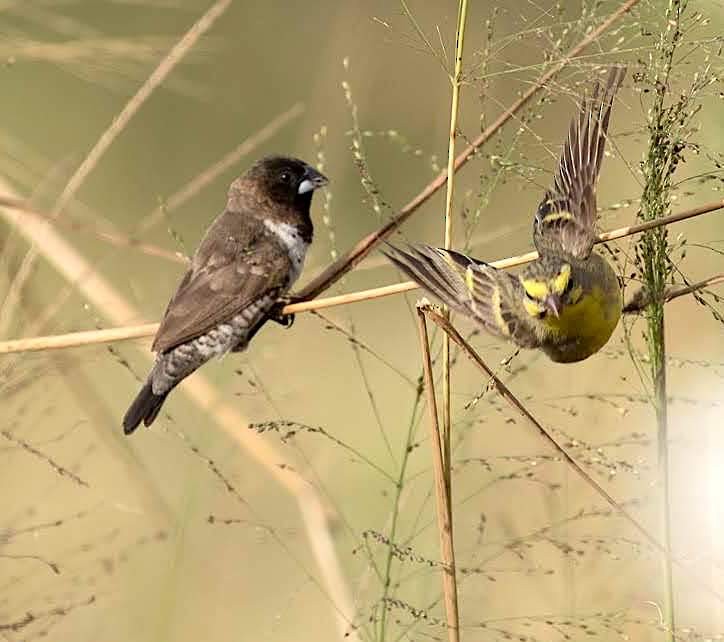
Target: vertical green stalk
[456,81]
[387,578]
[443,465]
[663,155]
[655,264]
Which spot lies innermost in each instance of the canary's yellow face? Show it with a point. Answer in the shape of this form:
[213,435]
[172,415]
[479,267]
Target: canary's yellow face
[549,289]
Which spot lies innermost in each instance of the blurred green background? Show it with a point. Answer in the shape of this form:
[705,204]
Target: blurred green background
[107,537]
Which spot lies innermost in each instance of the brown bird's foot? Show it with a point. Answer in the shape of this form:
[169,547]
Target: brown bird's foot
[284,320]
[277,315]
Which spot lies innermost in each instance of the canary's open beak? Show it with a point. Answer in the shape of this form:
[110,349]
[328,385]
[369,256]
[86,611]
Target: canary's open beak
[312,180]
[553,304]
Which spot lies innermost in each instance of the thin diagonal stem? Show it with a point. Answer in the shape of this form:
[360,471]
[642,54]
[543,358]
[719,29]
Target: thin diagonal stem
[442,490]
[514,403]
[336,270]
[169,62]
[75,339]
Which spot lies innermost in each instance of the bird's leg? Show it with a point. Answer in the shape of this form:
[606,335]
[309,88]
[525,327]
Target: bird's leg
[276,315]
[638,302]
[642,299]
[284,320]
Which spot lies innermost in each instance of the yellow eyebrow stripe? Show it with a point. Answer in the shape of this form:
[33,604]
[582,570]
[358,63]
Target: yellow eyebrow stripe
[557,216]
[535,289]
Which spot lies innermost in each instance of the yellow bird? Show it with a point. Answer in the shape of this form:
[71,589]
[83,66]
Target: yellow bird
[567,302]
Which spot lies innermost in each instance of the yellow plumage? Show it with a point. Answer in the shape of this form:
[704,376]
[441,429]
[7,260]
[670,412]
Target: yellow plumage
[567,302]
[592,320]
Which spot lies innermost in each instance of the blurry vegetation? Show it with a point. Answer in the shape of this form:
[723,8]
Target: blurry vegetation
[294,499]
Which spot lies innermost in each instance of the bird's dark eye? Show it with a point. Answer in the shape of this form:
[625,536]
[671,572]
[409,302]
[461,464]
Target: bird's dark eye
[285,177]
[568,288]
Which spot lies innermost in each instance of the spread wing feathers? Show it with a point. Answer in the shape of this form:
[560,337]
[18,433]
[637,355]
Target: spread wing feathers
[566,217]
[221,286]
[475,289]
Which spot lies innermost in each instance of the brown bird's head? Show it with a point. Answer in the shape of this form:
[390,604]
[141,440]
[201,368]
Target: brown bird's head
[285,181]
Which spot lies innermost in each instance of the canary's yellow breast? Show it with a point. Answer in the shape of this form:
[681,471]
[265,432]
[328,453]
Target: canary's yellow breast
[583,328]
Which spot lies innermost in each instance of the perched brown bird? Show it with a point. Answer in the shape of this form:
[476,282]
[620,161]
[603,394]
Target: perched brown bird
[250,256]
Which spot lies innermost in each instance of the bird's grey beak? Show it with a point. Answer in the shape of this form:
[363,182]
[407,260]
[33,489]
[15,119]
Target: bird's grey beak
[553,304]
[312,180]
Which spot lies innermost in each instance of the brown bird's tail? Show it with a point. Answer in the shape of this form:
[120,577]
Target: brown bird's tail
[145,408]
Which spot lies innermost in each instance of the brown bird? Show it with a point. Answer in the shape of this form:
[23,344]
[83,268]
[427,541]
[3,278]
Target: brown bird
[250,257]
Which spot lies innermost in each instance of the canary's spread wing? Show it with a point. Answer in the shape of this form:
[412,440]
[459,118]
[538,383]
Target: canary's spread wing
[225,277]
[566,217]
[475,289]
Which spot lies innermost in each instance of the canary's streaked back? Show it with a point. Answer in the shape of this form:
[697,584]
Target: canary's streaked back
[567,302]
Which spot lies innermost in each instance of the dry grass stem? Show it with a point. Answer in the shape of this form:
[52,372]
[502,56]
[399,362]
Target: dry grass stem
[104,297]
[177,53]
[112,238]
[442,490]
[456,82]
[675,293]
[75,339]
[336,270]
[639,303]
[515,403]
[180,49]
[230,159]
[176,200]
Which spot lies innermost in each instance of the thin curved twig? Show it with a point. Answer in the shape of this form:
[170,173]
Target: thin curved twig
[89,337]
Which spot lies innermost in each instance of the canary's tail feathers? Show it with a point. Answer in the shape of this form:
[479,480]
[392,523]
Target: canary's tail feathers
[145,408]
[466,285]
[427,266]
[455,279]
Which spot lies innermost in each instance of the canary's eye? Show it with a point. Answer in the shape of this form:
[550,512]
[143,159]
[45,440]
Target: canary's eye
[568,288]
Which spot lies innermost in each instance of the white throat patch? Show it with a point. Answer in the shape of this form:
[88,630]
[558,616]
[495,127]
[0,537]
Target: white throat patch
[293,241]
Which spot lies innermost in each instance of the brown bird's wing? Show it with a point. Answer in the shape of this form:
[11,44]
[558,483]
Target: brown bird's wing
[566,217]
[227,274]
[475,289]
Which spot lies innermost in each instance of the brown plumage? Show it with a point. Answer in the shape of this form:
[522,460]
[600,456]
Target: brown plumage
[249,257]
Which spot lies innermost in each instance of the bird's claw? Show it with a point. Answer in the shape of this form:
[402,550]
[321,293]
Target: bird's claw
[277,315]
[284,320]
